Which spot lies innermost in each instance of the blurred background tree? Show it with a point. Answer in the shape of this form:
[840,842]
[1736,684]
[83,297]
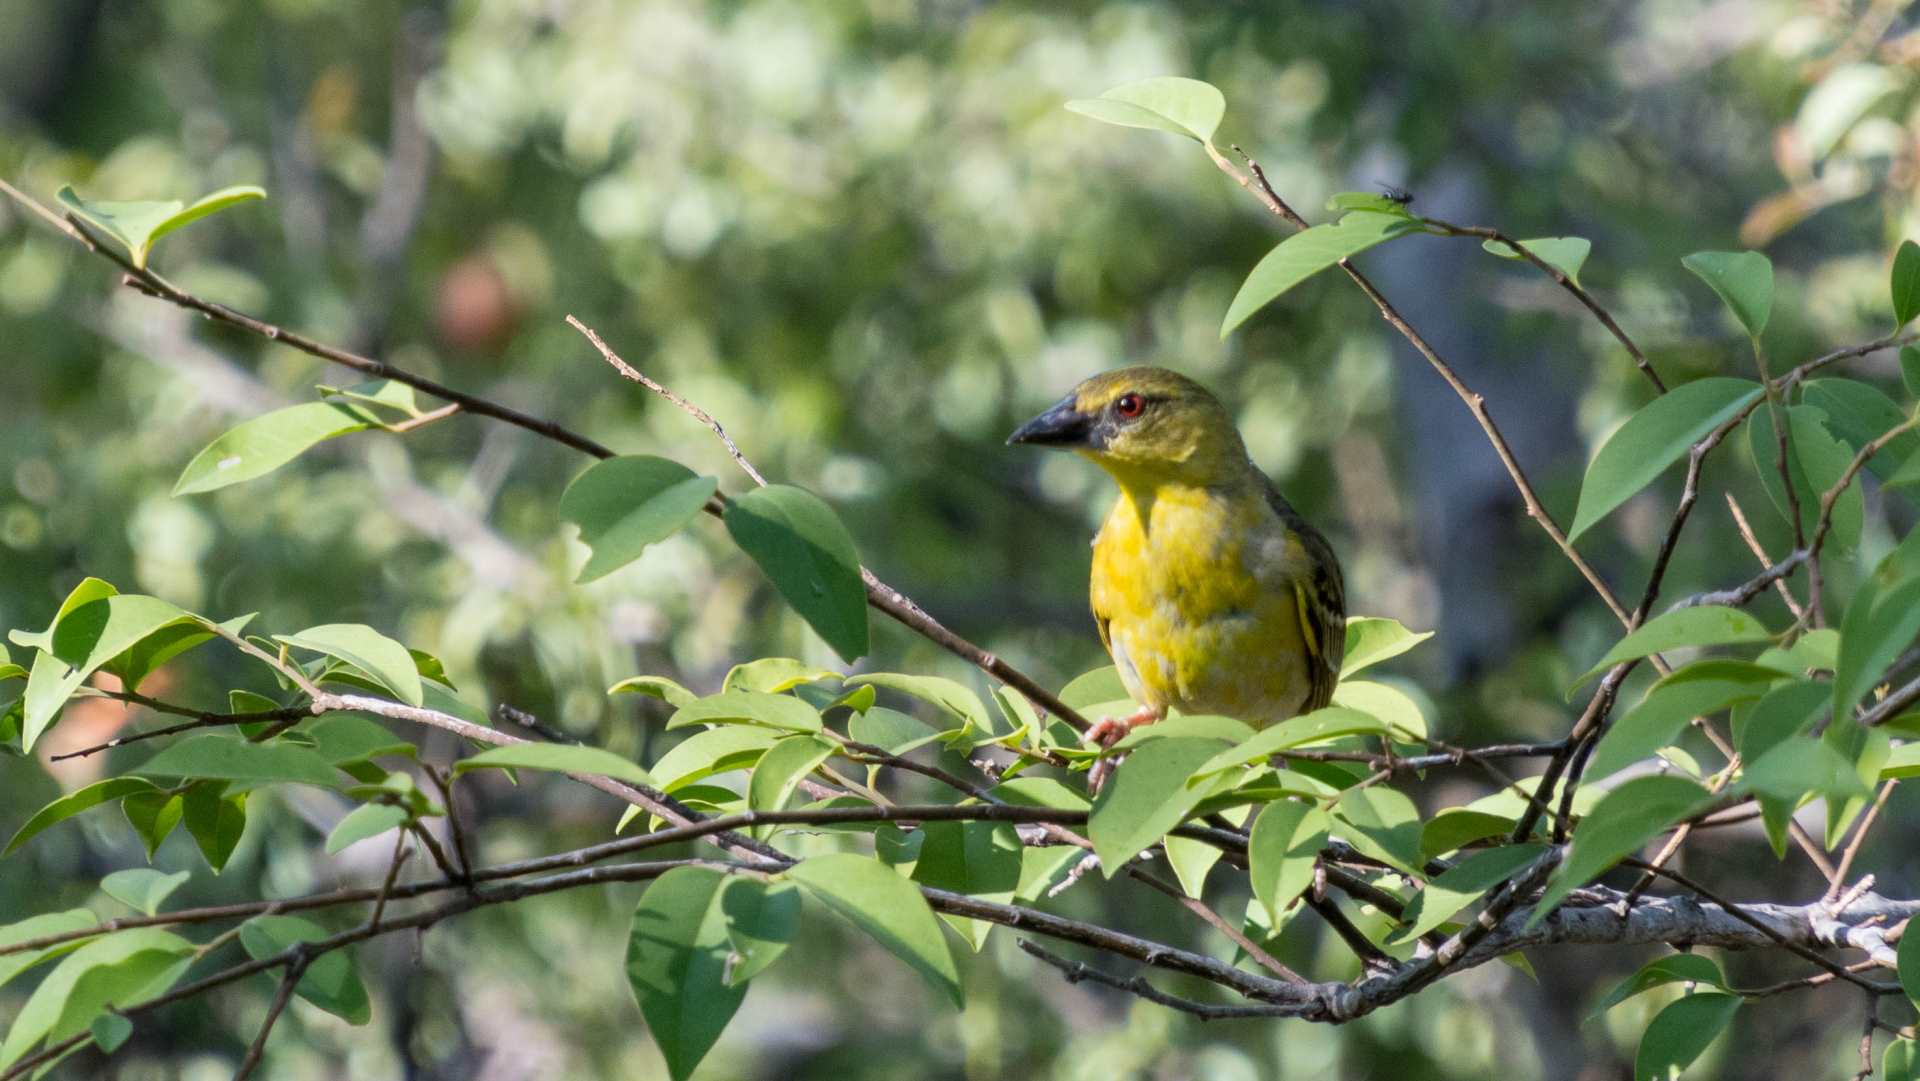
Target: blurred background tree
[866,236]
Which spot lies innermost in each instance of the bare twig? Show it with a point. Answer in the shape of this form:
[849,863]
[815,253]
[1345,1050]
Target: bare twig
[295,969]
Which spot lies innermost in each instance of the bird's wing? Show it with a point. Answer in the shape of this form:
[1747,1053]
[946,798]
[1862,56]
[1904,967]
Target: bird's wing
[1321,597]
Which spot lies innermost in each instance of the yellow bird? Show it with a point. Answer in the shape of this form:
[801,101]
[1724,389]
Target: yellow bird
[1211,592]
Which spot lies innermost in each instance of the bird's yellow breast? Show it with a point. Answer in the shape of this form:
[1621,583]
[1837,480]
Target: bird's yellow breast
[1193,588]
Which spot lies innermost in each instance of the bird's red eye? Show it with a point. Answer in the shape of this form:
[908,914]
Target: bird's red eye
[1130,406]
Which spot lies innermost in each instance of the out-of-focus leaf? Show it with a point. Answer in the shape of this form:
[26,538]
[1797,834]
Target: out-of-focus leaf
[1837,102]
[1186,107]
[142,888]
[801,545]
[1654,438]
[367,820]
[624,504]
[41,926]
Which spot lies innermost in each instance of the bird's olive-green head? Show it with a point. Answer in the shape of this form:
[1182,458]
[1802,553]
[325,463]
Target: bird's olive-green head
[1146,424]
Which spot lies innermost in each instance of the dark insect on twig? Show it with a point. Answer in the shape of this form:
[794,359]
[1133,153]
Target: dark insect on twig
[1395,194]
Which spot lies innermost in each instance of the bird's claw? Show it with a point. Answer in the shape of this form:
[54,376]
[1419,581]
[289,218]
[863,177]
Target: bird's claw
[1108,731]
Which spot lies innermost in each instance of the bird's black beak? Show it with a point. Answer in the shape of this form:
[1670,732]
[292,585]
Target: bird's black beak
[1061,426]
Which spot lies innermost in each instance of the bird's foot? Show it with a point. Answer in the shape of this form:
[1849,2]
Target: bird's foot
[1109,731]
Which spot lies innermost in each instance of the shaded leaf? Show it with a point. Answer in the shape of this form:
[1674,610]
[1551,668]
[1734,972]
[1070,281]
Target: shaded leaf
[1452,828]
[1674,968]
[215,820]
[1383,823]
[231,758]
[980,859]
[1567,254]
[678,955]
[330,981]
[1285,843]
[808,554]
[1744,280]
[41,926]
[1625,818]
[624,504]
[1906,283]
[1699,689]
[1680,1032]
[142,888]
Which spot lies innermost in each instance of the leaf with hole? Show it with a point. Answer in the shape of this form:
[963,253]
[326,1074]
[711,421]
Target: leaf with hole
[1186,107]
[624,504]
[801,545]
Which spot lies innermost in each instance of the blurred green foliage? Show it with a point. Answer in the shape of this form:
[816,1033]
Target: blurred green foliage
[868,239]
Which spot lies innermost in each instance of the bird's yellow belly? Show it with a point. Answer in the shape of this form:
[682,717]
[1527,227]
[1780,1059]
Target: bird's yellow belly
[1200,616]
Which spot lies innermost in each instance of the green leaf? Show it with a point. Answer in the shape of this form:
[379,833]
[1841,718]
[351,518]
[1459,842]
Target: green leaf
[655,687]
[1744,280]
[41,926]
[1455,827]
[980,859]
[83,638]
[772,675]
[678,955]
[138,225]
[1800,765]
[1625,818]
[1901,1061]
[1566,254]
[1095,688]
[781,711]
[1461,884]
[624,504]
[1908,957]
[1910,369]
[1674,968]
[1654,438]
[112,971]
[1040,792]
[110,1031]
[716,750]
[230,758]
[1699,689]
[1147,796]
[330,981]
[781,770]
[367,820]
[215,820]
[951,697]
[74,802]
[1857,414]
[1309,252]
[1697,627]
[1282,849]
[380,658]
[153,816]
[142,888]
[1331,722]
[803,548]
[763,919]
[559,757]
[1825,459]
[259,446]
[1395,709]
[1784,711]
[885,906]
[1186,107]
[1367,200]
[895,732]
[1680,1032]
[346,738]
[1382,823]
[1372,639]
[1877,628]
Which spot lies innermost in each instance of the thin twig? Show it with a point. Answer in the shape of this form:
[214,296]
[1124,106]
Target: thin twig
[295,969]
